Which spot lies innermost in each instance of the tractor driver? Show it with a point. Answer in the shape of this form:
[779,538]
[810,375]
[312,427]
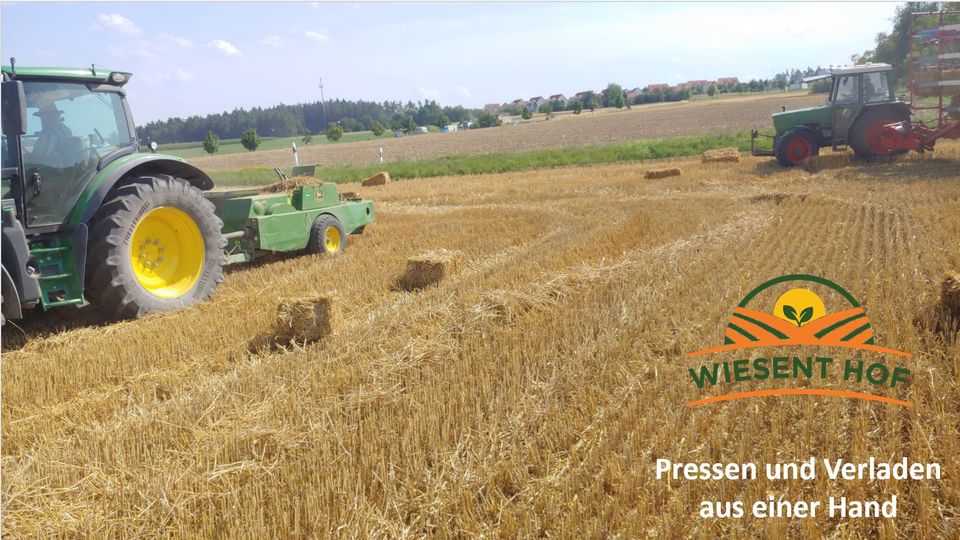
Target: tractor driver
[53,135]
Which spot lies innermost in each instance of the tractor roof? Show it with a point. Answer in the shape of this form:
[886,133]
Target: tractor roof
[88,74]
[849,70]
[860,68]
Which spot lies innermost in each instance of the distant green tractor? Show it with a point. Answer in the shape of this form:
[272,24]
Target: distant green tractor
[860,104]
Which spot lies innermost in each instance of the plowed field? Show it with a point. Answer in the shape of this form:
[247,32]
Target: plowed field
[606,125]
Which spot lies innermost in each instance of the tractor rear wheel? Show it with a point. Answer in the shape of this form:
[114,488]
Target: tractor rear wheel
[864,137]
[794,147]
[155,245]
[327,236]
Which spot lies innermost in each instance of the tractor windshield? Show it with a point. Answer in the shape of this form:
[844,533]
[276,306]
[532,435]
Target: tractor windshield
[69,129]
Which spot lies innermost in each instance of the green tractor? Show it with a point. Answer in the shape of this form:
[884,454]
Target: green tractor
[861,102]
[85,214]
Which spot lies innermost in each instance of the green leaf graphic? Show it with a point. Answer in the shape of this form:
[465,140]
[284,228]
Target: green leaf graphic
[806,315]
[791,313]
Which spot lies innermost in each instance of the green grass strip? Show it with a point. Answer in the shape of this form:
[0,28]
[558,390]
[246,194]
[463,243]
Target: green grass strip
[544,158]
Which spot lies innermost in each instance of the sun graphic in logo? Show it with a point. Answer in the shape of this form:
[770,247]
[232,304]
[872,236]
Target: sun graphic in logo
[799,306]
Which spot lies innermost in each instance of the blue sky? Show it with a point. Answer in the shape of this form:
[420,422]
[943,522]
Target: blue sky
[198,58]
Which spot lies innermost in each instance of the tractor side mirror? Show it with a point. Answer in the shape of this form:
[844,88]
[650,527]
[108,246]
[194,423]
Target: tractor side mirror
[14,112]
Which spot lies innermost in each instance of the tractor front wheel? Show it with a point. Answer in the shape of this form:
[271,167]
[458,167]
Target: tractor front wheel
[794,147]
[865,133]
[155,245]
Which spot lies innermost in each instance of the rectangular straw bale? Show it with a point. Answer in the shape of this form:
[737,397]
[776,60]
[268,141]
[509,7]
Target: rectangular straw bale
[663,173]
[304,320]
[378,179]
[429,268]
[731,155]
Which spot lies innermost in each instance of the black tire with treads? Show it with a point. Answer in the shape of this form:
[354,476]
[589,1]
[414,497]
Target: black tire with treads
[111,282]
[318,232]
[864,129]
[782,147]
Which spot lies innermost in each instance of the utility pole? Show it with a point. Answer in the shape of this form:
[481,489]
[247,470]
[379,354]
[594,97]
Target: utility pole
[323,106]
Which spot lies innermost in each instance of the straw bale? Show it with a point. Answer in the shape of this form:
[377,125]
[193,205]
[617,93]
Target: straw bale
[662,173]
[731,155]
[378,179]
[305,320]
[429,268]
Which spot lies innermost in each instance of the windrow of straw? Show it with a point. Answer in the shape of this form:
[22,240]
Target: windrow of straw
[827,162]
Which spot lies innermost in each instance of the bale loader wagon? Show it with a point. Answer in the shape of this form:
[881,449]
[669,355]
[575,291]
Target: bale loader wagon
[87,216]
[862,112]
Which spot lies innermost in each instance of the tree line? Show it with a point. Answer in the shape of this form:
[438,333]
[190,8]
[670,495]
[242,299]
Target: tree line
[893,47]
[359,115]
[297,120]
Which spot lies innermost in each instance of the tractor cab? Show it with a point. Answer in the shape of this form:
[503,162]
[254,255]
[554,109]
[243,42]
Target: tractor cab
[860,103]
[74,126]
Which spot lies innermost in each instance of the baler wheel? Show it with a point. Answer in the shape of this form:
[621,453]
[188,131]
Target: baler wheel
[327,236]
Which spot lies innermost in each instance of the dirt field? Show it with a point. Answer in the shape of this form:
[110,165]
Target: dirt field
[528,395]
[661,120]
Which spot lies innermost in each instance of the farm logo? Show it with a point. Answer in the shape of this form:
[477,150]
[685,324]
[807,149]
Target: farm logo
[799,318]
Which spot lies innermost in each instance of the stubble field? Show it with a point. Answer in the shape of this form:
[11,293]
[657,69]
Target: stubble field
[731,115]
[527,395]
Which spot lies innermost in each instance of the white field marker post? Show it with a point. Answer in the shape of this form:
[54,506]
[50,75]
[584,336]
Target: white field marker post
[381,154]
[296,160]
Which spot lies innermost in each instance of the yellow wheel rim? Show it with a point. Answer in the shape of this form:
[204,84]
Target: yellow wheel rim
[331,239]
[167,252]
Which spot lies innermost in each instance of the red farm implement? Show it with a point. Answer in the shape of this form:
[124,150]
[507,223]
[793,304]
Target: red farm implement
[934,81]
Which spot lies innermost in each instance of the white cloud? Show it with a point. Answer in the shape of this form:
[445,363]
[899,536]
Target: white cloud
[118,23]
[183,76]
[320,37]
[462,91]
[140,50]
[224,47]
[168,77]
[429,93]
[176,40]
[273,41]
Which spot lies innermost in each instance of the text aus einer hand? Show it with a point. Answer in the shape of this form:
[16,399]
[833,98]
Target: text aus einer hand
[771,507]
